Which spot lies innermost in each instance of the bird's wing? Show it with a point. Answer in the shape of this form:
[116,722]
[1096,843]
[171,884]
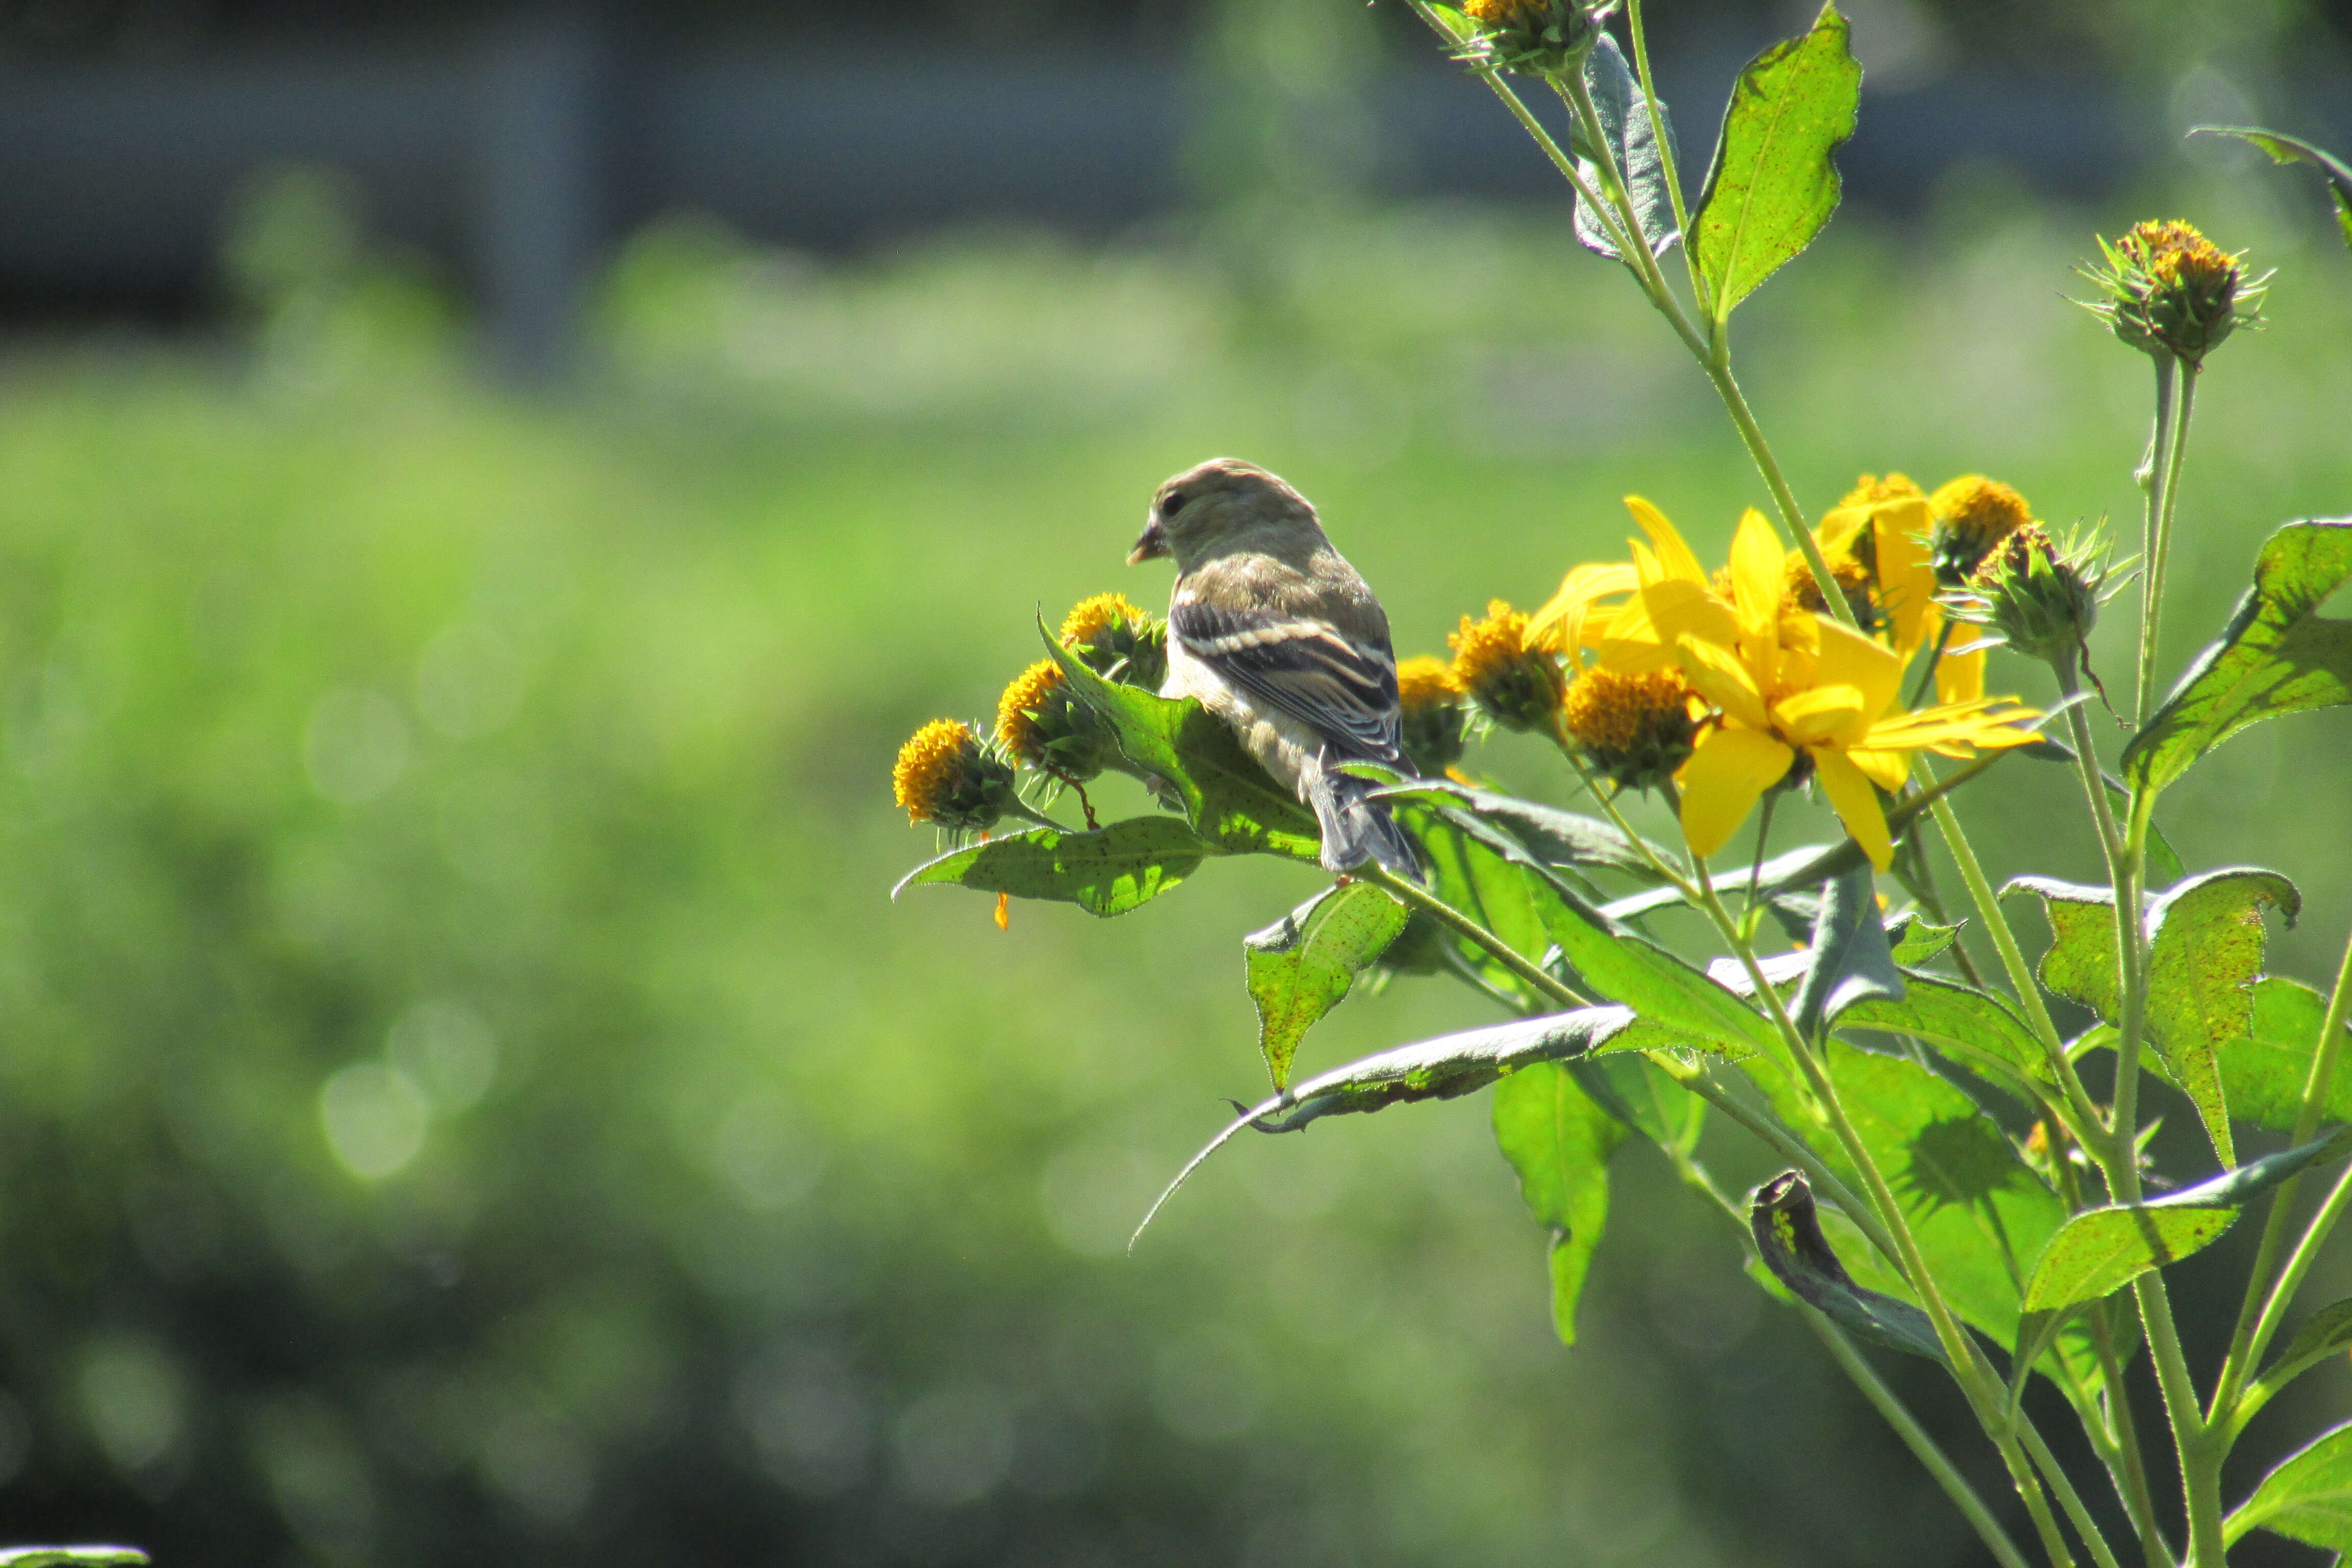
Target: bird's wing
[1343,689]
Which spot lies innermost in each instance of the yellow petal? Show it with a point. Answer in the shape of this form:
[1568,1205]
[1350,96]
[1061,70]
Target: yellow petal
[1960,677]
[1821,714]
[1630,643]
[1887,770]
[1555,627]
[1680,609]
[1855,803]
[1906,580]
[1850,658]
[1673,555]
[1987,723]
[1755,557]
[1728,773]
[1716,674]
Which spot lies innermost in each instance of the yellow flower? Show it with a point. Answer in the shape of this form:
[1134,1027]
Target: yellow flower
[1870,487]
[1431,704]
[1119,640]
[1017,711]
[945,775]
[1635,729]
[1973,514]
[2170,290]
[1788,688]
[1517,685]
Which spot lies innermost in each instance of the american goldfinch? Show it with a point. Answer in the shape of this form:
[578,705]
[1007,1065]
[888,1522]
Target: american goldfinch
[1274,634]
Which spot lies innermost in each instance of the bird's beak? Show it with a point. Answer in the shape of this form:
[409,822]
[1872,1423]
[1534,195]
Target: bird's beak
[1151,546]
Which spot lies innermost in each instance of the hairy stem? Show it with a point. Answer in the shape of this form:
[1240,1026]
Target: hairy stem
[2163,496]
[1411,893]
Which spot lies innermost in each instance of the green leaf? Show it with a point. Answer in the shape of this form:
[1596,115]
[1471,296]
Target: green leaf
[1849,961]
[1459,25]
[1624,116]
[1300,967]
[2264,1071]
[2103,1249]
[1442,1069]
[1638,1092]
[2277,654]
[1559,1141]
[2239,1186]
[72,1557]
[2206,938]
[1971,1026]
[2308,1498]
[1180,745]
[1774,184]
[2107,1248]
[1789,1237]
[2323,1334]
[1555,836]
[1467,874]
[1975,1206]
[1923,940]
[2285,149]
[1509,882]
[1106,872]
[1977,1209]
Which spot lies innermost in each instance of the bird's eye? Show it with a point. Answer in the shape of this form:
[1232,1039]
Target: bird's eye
[1172,505]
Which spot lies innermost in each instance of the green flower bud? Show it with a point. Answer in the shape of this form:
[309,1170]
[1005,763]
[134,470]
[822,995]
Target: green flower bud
[1435,713]
[2040,599]
[1547,37]
[948,775]
[1517,687]
[1118,640]
[1044,725]
[2170,290]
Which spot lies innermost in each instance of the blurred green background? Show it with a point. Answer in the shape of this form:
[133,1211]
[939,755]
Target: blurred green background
[465,1095]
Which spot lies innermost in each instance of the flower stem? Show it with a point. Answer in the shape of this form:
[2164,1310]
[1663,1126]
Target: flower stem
[1407,891]
[2165,451]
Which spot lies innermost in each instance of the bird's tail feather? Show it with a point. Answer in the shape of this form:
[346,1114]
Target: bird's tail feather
[1357,829]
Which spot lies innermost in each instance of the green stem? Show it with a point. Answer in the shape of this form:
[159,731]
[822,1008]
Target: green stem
[2084,1121]
[1791,1149]
[2131,1483]
[2265,1301]
[1666,162]
[2068,1498]
[1884,1400]
[1916,1438]
[1409,893]
[2164,462]
[2306,1252]
[1717,362]
[1985,1396]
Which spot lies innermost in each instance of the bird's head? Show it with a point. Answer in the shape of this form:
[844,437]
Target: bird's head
[1219,506]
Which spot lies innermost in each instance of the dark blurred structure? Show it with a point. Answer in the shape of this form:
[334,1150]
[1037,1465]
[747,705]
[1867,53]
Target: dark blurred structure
[511,143]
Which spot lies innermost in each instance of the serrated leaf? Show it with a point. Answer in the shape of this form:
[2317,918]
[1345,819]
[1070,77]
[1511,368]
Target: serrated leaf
[1848,959]
[2308,1498]
[1922,941]
[1971,1026]
[2107,1248]
[1442,1069]
[2285,149]
[1108,872]
[1304,964]
[1560,1142]
[72,1557]
[1624,116]
[2264,1071]
[1773,183]
[2276,656]
[1180,745]
[1789,1238]
[2206,940]
[2322,1334]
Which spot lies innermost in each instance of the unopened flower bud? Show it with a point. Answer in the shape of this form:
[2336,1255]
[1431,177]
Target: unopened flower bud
[1517,687]
[948,775]
[1435,711]
[1635,729]
[1547,36]
[2170,290]
[1972,515]
[2040,600]
[1041,722]
[1118,640]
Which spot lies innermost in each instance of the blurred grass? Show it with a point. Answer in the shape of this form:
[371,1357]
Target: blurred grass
[466,1094]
